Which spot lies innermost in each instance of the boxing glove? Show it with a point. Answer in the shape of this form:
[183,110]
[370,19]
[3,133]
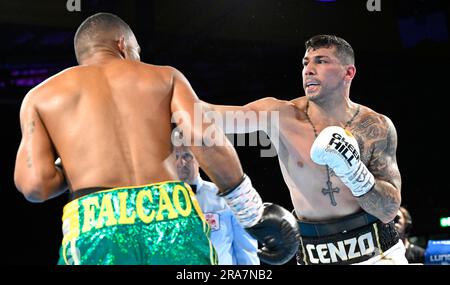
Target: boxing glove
[339,149]
[279,234]
[273,226]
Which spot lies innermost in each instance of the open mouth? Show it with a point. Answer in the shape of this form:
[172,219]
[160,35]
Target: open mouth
[311,86]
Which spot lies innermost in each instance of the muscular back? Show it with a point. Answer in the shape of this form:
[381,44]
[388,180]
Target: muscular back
[110,123]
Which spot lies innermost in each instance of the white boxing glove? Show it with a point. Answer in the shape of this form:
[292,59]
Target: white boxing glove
[339,149]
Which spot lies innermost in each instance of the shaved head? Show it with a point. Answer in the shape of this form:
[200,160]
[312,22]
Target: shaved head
[101,31]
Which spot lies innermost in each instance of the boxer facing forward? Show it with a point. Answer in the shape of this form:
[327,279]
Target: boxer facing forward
[109,121]
[338,159]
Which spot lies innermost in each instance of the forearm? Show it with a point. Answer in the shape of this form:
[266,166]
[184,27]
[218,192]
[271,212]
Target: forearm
[382,201]
[58,184]
[213,151]
[221,164]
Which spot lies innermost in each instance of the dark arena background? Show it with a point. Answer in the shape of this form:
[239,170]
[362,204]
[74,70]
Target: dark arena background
[234,52]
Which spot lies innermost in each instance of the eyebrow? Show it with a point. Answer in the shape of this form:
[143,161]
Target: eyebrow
[317,57]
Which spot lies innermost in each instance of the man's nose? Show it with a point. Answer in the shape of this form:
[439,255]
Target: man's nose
[309,69]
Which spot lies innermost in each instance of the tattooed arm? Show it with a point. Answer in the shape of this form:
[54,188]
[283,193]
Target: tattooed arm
[35,173]
[383,200]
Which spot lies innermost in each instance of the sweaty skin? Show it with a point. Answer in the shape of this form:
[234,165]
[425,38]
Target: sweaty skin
[110,123]
[329,105]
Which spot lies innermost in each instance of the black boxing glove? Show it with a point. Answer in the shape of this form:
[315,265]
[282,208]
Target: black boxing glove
[278,232]
[272,225]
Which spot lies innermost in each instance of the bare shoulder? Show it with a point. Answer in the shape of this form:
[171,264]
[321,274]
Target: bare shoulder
[44,91]
[155,77]
[376,134]
[300,103]
[60,83]
[268,104]
[156,68]
[163,70]
[62,76]
[295,108]
[372,124]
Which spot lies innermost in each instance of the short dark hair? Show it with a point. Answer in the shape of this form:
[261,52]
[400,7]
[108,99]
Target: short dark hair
[344,50]
[93,30]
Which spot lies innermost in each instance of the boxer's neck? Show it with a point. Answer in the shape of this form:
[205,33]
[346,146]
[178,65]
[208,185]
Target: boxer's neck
[331,114]
[102,57]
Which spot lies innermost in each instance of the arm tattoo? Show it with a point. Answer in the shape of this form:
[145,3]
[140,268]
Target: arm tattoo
[383,163]
[378,143]
[30,130]
[29,161]
[30,127]
[380,201]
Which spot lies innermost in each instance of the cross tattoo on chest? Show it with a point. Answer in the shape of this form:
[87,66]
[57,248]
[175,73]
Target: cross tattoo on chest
[330,191]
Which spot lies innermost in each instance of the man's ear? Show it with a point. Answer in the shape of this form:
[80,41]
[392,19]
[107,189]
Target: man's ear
[350,72]
[122,47]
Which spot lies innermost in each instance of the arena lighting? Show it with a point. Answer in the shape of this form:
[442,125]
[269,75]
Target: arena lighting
[445,222]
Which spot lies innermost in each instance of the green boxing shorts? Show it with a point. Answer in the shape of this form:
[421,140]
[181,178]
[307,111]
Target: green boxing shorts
[160,223]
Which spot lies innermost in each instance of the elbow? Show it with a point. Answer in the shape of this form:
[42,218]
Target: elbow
[387,219]
[33,192]
[390,215]
[34,197]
